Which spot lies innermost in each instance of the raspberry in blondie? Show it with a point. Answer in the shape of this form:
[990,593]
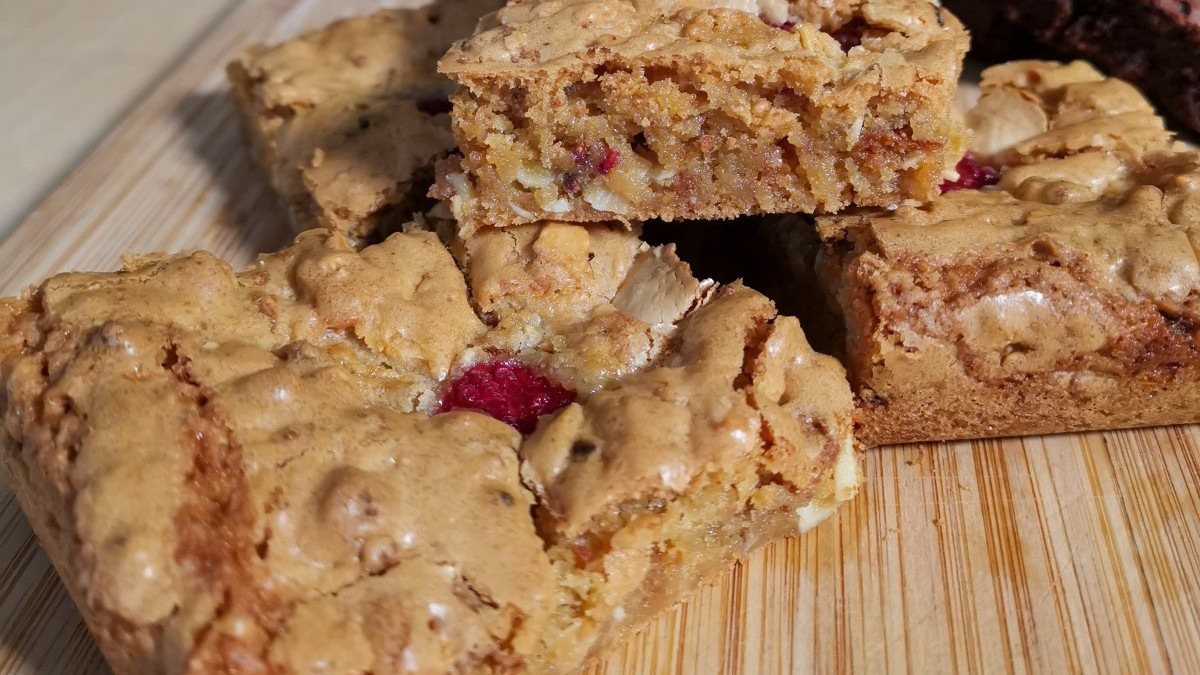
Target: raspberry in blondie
[594,110]
[1065,298]
[283,470]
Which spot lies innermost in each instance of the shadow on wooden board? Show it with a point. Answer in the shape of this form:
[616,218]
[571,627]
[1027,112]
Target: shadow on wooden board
[251,212]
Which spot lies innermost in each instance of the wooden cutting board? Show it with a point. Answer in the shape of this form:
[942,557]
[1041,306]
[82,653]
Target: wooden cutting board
[1065,554]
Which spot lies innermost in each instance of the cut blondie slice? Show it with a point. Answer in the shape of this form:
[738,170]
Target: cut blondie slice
[300,468]
[593,110]
[348,120]
[706,426]
[1066,298]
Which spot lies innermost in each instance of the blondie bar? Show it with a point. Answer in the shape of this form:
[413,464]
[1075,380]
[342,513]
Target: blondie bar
[1065,298]
[352,461]
[348,120]
[594,110]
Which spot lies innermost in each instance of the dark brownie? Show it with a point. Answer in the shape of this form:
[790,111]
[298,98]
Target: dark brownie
[1155,44]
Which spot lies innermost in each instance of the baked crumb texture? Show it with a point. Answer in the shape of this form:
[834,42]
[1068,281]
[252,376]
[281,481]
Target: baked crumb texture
[240,472]
[348,120]
[1065,298]
[594,110]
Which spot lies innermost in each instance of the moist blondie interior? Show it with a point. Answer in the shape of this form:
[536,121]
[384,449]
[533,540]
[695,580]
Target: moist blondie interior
[256,472]
[593,110]
[348,120]
[1065,298]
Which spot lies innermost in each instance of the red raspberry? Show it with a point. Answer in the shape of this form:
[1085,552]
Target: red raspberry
[971,175]
[508,390]
[610,161]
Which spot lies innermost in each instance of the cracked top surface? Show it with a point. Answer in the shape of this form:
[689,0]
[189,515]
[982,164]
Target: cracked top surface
[529,34]
[1083,158]
[348,114]
[383,54]
[251,468]
[1058,128]
[256,431]
[1084,253]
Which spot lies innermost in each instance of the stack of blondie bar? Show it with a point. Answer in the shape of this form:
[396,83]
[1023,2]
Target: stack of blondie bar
[471,422]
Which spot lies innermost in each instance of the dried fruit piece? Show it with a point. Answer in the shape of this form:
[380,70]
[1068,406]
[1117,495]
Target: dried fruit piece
[572,183]
[971,175]
[786,25]
[595,159]
[508,390]
[582,156]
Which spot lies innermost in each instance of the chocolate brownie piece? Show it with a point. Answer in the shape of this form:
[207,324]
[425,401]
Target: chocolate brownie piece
[302,467]
[348,120]
[1154,44]
[594,110]
[1065,298]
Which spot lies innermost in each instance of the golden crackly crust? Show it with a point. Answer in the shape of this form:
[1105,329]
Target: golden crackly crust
[713,112]
[1066,298]
[347,120]
[240,472]
[237,469]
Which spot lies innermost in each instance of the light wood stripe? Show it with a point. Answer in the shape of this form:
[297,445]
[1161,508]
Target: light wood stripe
[1065,554]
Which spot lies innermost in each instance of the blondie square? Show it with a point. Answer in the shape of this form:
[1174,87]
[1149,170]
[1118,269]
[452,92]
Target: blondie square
[1064,298]
[348,120]
[351,461]
[594,110]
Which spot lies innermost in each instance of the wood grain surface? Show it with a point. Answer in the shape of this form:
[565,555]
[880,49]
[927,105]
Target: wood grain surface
[73,69]
[1064,554]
